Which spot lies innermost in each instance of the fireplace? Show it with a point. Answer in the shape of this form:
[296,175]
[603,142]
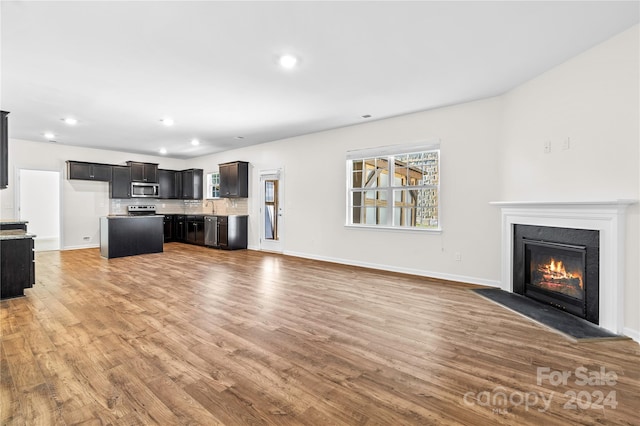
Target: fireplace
[559,267]
[607,218]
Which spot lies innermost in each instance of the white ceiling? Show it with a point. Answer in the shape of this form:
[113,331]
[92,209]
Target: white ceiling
[119,67]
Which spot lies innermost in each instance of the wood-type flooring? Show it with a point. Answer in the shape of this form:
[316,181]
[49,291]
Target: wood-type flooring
[196,336]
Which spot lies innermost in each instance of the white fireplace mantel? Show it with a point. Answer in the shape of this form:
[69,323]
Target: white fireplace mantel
[604,216]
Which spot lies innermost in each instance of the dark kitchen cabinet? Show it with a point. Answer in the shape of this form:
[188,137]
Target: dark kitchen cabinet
[226,232]
[120,185]
[130,235]
[195,230]
[168,228]
[178,185]
[232,232]
[192,184]
[80,170]
[179,227]
[234,179]
[4,149]
[143,172]
[181,185]
[168,188]
[17,267]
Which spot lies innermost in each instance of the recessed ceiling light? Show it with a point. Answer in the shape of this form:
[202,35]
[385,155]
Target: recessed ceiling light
[163,151]
[366,116]
[238,137]
[195,142]
[49,135]
[288,61]
[167,121]
[70,121]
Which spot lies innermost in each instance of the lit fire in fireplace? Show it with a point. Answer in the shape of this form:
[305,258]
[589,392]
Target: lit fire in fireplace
[555,272]
[554,276]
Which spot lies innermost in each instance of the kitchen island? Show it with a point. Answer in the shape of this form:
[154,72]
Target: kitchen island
[131,235]
[17,264]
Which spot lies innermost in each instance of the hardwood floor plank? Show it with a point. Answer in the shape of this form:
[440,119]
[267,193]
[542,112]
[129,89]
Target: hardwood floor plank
[186,409]
[201,336]
[136,393]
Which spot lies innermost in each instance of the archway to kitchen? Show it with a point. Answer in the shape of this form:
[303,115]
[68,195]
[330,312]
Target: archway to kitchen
[39,203]
[271,210]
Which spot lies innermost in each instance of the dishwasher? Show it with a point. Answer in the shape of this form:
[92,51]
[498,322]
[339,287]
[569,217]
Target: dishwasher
[211,231]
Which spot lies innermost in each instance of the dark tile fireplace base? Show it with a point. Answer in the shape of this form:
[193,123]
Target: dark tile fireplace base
[563,322]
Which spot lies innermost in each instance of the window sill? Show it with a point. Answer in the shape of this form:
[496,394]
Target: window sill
[396,228]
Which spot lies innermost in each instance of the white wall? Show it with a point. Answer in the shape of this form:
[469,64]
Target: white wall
[83,202]
[593,100]
[315,193]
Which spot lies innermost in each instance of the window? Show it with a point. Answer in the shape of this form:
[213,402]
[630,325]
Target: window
[270,209]
[398,189]
[213,185]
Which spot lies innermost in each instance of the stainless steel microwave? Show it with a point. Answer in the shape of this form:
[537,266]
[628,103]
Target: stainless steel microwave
[144,189]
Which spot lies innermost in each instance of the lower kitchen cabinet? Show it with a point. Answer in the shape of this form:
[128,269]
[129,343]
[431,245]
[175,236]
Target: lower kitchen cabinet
[232,232]
[195,230]
[179,227]
[17,266]
[226,232]
[168,228]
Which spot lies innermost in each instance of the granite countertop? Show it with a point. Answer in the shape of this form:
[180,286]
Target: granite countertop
[15,234]
[13,222]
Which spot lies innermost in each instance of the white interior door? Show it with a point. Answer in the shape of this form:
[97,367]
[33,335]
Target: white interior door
[271,210]
[39,204]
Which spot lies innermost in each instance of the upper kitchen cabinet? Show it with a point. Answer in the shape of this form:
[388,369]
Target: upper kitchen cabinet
[168,184]
[192,184]
[88,171]
[234,179]
[4,149]
[181,185]
[143,172]
[120,185]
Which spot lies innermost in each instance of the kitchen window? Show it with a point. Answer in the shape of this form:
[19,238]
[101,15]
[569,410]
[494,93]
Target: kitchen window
[213,185]
[394,187]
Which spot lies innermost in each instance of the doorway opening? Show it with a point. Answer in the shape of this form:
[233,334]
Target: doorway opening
[39,204]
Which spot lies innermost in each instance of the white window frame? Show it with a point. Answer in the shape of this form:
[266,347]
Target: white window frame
[390,152]
[209,185]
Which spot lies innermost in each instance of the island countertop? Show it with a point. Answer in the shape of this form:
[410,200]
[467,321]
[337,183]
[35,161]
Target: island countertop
[13,222]
[15,234]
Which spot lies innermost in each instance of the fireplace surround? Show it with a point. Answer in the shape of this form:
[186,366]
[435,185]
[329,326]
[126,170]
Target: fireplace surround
[606,217]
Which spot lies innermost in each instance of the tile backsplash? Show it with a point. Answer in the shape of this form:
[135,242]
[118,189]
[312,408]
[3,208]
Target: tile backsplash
[221,206]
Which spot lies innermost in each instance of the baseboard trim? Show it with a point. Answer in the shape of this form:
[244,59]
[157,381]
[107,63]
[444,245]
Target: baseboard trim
[391,268]
[634,334]
[81,247]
